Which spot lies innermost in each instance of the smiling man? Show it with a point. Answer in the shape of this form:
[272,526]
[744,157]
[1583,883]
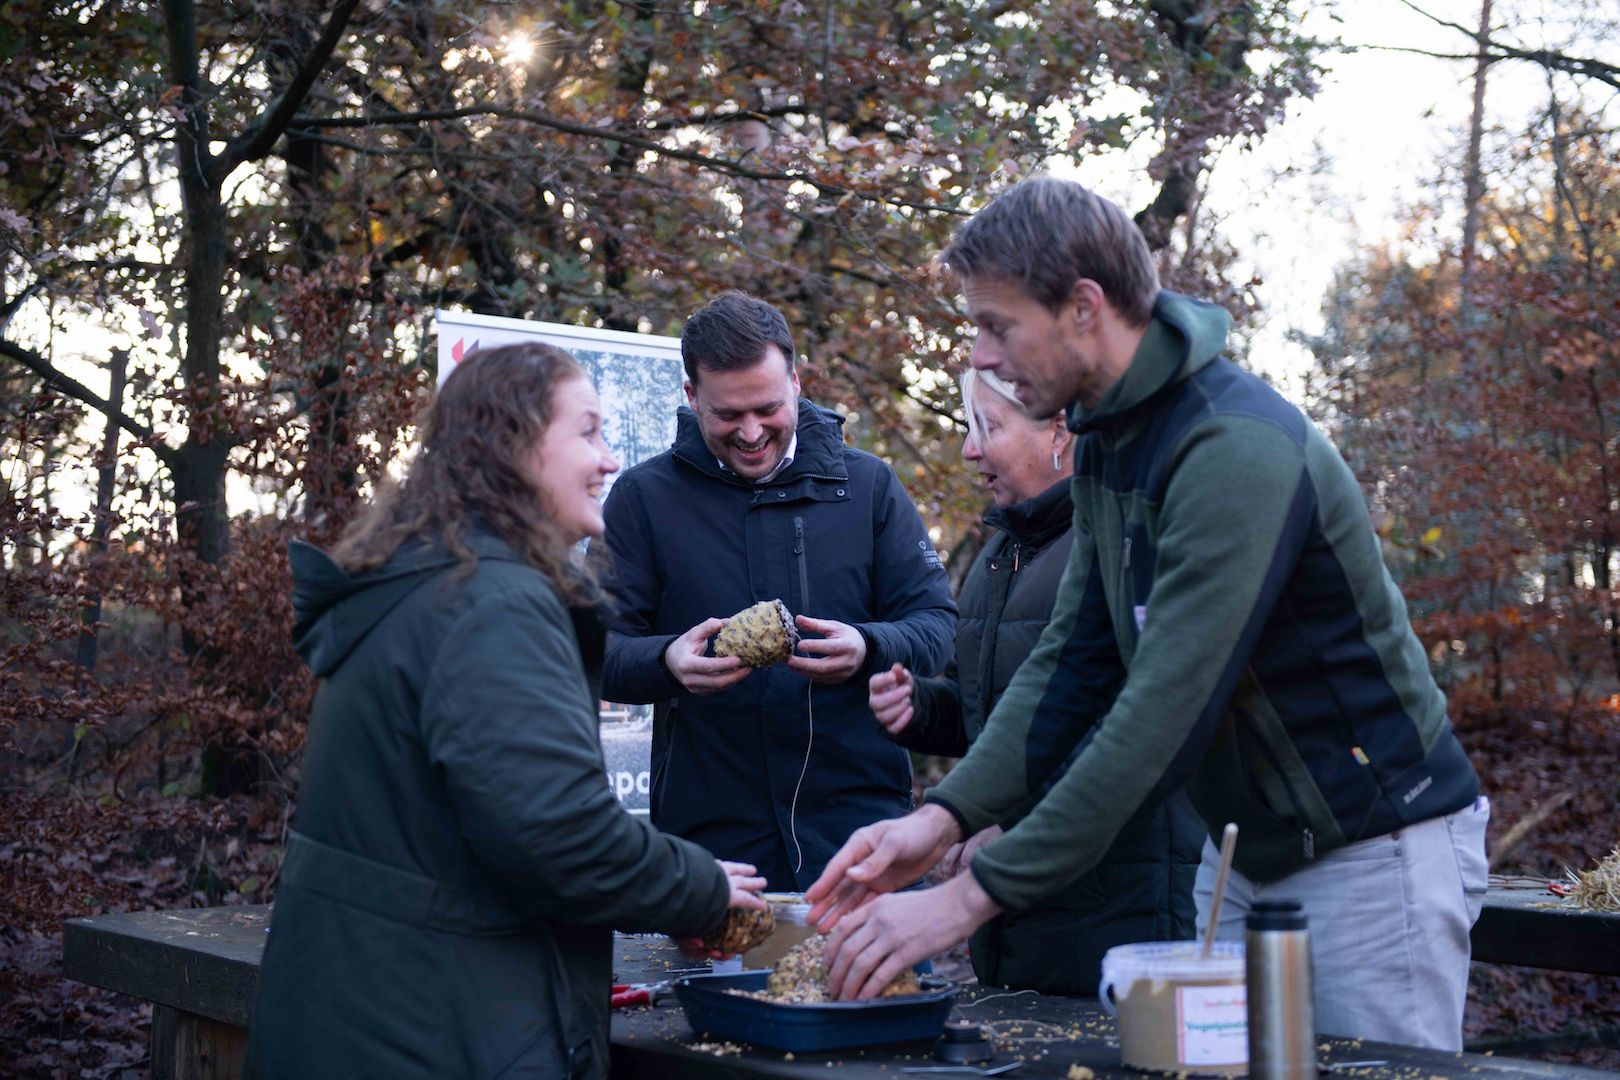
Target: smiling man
[759,499]
[1225,561]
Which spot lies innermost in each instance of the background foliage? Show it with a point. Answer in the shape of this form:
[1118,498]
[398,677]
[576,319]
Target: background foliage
[223,228]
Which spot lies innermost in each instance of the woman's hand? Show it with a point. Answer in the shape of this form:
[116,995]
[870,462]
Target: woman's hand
[889,695]
[746,885]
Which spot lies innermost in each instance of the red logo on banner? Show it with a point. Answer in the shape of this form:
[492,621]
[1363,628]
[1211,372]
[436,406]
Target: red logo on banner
[458,350]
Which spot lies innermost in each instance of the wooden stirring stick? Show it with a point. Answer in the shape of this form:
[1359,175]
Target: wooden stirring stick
[1228,846]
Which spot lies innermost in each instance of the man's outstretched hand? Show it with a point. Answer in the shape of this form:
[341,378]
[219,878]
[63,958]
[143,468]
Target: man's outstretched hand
[879,940]
[880,858]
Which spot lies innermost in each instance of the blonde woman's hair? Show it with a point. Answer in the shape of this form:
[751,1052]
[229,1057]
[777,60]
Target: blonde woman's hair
[973,381]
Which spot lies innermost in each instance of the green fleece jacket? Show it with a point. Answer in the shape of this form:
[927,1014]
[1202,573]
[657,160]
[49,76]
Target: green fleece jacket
[1225,557]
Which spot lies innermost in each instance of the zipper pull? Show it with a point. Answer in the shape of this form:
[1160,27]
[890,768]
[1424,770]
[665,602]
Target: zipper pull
[1310,845]
[1018,550]
[1127,553]
[804,566]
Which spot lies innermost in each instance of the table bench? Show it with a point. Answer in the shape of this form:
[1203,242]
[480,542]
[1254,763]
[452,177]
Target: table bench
[199,968]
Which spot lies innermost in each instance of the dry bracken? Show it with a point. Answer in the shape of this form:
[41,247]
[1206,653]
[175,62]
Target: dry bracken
[1597,889]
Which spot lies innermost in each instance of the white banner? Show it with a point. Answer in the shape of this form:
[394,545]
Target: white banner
[639,379]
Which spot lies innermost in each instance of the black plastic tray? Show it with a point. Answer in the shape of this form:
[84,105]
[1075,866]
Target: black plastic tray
[829,1026]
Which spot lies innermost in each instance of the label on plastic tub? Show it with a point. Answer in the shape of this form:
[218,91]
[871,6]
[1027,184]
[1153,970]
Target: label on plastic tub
[1212,1025]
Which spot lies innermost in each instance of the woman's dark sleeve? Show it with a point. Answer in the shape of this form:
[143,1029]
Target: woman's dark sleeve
[936,720]
[508,719]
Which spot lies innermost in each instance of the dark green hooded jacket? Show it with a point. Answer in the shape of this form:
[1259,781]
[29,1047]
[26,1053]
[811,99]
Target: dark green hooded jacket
[458,862]
[1225,561]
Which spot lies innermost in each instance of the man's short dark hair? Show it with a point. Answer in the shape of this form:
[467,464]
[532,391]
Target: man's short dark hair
[1045,234]
[730,333]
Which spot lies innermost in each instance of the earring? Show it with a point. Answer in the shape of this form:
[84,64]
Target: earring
[1057,463]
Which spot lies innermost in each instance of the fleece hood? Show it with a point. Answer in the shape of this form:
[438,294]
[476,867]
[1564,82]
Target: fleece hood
[1183,336]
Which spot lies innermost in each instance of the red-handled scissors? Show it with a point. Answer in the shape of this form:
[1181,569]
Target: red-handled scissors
[626,994]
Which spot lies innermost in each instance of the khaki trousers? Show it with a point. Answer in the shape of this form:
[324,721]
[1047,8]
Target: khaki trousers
[1389,920]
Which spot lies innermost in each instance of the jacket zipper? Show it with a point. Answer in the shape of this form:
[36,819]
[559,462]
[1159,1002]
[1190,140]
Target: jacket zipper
[1126,593]
[804,570]
[1307,837]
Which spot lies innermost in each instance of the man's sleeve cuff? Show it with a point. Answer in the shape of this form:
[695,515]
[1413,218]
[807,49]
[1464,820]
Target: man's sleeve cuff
[663,664]
[864,672]
[990,890]
[961,821]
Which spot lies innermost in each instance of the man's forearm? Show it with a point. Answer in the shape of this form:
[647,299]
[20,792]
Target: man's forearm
[975,903]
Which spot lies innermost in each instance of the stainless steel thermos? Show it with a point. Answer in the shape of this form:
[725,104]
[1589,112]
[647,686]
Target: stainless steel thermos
[1282,1013]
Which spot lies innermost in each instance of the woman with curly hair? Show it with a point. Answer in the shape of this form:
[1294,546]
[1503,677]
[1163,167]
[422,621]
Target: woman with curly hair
[458,862]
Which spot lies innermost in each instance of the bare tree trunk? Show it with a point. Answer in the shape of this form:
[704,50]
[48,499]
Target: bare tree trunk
[106,477]
[328,472]
[90,614]
[1474,181]
[199,465]
[1187,25]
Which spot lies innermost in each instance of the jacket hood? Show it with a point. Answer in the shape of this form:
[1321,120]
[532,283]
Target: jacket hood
[1036,522]
[334,610]
[1183,336]
[820,451]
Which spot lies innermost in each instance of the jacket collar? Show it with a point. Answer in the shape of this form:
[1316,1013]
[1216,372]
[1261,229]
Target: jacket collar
[1036,522]
[1183,336]
[820,452]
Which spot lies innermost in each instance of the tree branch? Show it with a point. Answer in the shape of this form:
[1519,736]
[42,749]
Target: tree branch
[1548,58]
[568,127]
[728,117]
[1551,58]
[258,137]
[73,388]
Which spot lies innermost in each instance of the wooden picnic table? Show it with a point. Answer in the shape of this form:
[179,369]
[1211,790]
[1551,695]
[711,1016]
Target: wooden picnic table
[199,968]
[1524,923]
[1050,1036]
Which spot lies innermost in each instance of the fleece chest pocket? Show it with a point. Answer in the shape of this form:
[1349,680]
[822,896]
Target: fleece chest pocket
[828,561]
[1137,556]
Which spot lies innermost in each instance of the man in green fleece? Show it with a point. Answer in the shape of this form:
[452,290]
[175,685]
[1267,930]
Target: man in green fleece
[1225,560]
